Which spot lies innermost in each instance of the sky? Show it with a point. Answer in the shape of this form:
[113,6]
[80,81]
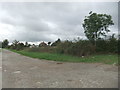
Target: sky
[48,21]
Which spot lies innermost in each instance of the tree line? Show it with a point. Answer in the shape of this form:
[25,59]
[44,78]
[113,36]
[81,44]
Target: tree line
[96,27]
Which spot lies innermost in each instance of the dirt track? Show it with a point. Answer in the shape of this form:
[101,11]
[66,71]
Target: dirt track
[23,72]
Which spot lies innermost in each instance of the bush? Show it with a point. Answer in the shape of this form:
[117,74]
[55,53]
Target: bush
[101,46]
[63,46]
[112,45]
[83,48]
[41,49]
[79,48]
[107,46]
[18,46]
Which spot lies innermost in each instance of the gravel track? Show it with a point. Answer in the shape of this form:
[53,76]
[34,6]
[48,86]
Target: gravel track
[24,72]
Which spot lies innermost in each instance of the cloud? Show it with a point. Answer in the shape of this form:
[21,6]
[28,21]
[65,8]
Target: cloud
[43,21]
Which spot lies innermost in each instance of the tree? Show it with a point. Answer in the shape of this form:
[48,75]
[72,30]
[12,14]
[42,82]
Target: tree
[26,44]
[29,45]
[17,45]
[5,43]
[20,46]
[49,43]
[56,42]
[14,44]
[96,25]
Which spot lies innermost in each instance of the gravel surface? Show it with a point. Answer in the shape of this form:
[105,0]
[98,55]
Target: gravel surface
[24,72]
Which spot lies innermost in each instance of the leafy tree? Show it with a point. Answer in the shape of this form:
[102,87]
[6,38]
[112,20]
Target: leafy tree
[5,43]
[20,46]
[15,42]
[17,45]
[96,25]
[26,44]
[56,42]
[49,43]
[29,45]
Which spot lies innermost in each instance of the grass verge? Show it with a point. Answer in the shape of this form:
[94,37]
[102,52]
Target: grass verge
[106,58]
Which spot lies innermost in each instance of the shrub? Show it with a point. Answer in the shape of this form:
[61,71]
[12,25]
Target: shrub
[101,46]
[107,46]
[79,48]
[63,47]
[41,49]
[112,45]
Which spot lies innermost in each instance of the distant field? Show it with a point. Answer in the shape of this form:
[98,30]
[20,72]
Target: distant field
[107,58]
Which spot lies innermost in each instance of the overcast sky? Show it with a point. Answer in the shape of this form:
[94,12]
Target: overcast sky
[35,22]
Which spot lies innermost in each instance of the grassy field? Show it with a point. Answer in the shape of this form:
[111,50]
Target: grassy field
[106,58]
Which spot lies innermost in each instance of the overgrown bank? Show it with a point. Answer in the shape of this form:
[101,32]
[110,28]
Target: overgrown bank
[103,58]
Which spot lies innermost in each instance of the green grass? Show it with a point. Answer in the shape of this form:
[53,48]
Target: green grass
[106,58]
[0,49]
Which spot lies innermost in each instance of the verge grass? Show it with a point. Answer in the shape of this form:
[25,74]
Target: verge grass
[101,58]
